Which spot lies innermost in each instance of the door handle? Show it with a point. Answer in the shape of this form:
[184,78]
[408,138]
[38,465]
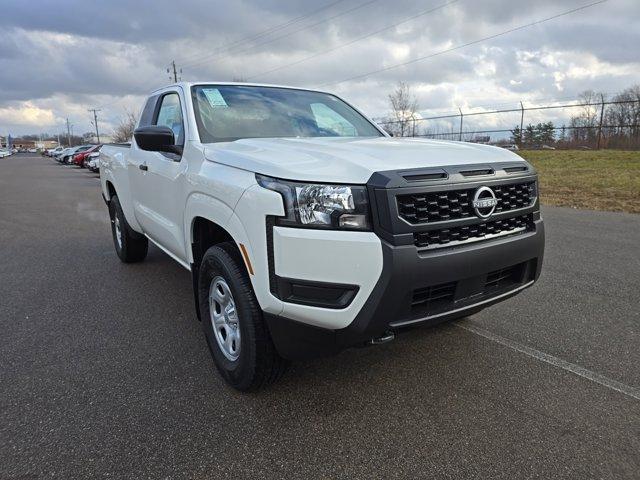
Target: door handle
[143,166]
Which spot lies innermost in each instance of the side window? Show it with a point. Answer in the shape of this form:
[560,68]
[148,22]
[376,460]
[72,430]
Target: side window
[170,115]
[146,118]
[331,121]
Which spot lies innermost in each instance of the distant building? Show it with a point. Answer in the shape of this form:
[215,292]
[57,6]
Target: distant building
[22,143]
[39,144]
[46,144]
[103,139]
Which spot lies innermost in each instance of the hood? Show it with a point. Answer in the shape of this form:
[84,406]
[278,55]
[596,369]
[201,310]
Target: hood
[348,160]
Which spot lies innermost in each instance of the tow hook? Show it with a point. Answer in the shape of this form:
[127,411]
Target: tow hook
[386,337]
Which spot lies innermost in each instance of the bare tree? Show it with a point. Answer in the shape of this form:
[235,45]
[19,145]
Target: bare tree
[404,106]
[585,122]
[124,131]
[623,119]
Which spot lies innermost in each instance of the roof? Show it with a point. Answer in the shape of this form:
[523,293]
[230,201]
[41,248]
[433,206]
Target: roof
[188,85]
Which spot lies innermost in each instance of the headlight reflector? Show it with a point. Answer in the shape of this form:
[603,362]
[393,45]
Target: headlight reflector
[317,205]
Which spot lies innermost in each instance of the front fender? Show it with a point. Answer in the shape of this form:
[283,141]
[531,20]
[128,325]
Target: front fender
[246,225]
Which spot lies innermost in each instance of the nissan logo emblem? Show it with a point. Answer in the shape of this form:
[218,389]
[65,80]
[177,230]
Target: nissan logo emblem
[484,202]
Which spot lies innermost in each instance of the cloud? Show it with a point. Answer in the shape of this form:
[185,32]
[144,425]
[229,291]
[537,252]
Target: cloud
[65,57]
[27,114]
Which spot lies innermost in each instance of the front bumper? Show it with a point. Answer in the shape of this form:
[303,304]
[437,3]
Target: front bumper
[471,276]
[416,284]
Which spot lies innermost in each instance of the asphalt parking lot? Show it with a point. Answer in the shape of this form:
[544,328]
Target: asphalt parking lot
[104,371]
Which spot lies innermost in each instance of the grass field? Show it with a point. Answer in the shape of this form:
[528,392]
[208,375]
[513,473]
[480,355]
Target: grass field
[590,179]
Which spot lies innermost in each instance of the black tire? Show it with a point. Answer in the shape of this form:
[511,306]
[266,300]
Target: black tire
[132,246]
[258,363]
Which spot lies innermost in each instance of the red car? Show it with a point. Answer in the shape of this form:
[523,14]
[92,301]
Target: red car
[81,158]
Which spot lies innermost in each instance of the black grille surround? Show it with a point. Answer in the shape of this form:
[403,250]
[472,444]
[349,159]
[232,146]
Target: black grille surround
[430,207]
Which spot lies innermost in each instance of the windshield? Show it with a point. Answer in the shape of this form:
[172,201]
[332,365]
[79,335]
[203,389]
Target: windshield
[226,113]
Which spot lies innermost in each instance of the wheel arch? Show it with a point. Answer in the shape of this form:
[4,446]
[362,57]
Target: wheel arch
[205,232]
[111,190]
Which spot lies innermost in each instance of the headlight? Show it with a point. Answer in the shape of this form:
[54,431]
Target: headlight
[320,205]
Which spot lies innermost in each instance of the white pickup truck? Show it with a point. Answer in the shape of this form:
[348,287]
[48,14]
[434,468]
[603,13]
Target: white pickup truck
[307,229]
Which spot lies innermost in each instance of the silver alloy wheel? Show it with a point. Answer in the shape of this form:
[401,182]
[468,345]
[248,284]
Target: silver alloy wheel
[224,318]
[116,224]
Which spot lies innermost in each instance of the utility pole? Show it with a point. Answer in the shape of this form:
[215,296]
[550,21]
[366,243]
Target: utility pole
[68,133]
[173,72]
[601,118]
[95,120]
[521,121]
[460,132]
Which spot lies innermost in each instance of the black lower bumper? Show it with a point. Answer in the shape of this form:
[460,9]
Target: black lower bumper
[424,287]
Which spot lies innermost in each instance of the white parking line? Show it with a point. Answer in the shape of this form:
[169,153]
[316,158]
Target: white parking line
[555,361]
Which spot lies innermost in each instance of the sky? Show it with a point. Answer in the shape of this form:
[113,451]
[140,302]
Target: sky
[60,58]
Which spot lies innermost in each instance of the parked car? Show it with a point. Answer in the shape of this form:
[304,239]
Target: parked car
[93,162]
[66,156]
[80,158]
[307,229]
[513,147]
[53,151]
[60,157]
[4,152]
[542,147]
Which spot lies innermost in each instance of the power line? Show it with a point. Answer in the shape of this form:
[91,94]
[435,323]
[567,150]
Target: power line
[333,17]
[266,32]
[376,32]
[458,47]
[526,109]
[495,106]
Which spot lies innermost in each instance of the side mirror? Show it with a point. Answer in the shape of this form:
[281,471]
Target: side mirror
[156,138]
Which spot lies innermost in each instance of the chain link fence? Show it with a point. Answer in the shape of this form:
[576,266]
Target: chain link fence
[581,125]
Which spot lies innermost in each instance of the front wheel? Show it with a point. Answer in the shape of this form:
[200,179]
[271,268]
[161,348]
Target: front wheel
[236,333]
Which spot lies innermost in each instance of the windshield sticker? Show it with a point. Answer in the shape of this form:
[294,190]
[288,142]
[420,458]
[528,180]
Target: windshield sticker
[214,97]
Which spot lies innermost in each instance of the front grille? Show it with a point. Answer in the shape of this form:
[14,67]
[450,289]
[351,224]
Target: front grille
[444,297]
[515,196]
[432,299]
[436,293]
[449,236]
[429,207]
[504,278]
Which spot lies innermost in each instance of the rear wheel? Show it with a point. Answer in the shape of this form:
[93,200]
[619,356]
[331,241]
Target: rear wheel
[130,245]
[232,321]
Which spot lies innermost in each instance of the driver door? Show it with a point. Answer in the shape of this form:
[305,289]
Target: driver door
[158,181]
